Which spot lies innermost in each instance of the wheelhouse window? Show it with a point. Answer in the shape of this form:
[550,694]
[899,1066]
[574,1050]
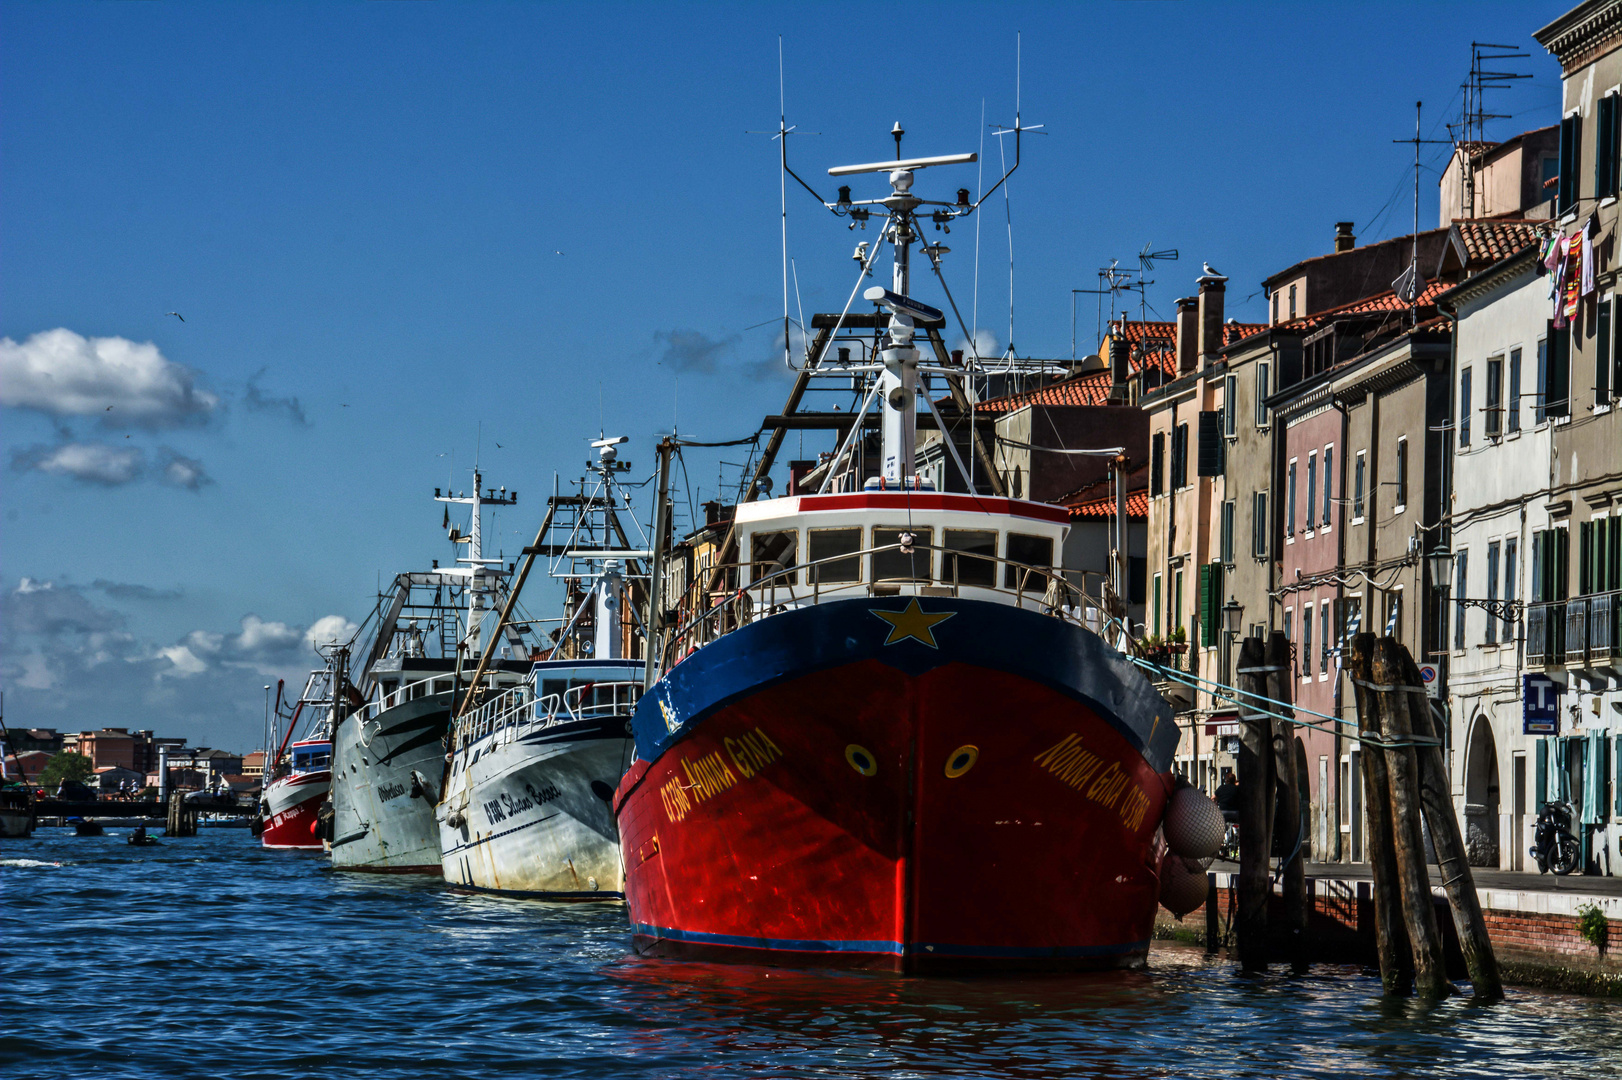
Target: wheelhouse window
[1028,551]
[898,565]
[970,557]
[771,553]
[830,544]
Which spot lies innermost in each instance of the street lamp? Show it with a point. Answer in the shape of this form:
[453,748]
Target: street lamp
[1232,614]
[1441,564]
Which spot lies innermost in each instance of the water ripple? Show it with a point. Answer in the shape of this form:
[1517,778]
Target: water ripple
[209,957]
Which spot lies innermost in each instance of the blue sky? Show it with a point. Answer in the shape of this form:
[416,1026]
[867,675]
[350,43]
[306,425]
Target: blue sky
[388,224]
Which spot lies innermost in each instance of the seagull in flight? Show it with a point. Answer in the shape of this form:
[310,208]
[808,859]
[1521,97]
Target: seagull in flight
[557,253]
[176,314]
[499,446]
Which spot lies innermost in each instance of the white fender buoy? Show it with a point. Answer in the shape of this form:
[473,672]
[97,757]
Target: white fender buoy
[1193,825]
[1182,885]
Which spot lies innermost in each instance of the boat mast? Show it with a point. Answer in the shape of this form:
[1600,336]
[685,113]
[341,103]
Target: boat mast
[477,565]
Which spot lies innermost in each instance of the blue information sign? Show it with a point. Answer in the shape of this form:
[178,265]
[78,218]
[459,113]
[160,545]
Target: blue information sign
[1540,705]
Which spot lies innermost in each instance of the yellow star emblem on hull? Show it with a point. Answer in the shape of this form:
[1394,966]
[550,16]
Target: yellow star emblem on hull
[913,622]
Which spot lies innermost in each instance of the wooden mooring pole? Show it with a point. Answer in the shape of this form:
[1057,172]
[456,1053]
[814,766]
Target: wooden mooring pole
[1391,937]
[182,820]
[1256,783]
[1458,883]
[1402,769]
[1289,830]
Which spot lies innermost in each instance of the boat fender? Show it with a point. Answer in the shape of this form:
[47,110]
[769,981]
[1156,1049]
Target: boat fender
[421,788]
[1183,885]
[455,819]
[1193,824]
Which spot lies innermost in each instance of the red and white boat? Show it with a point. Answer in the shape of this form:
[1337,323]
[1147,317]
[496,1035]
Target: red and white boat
[300,775]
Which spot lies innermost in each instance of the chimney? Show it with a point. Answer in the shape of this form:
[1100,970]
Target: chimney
[1187,334]
[1119,353]
[1212,289]
[1344,240]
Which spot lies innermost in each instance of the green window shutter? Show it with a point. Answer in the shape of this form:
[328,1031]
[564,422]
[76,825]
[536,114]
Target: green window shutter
[1616,786]
[1541,780]
[1206,636]
[1585,558]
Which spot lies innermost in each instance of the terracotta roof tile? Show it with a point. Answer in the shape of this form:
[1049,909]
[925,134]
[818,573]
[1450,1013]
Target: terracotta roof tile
[1103,506]
[1490,241]
[1370,305]
[1091,388]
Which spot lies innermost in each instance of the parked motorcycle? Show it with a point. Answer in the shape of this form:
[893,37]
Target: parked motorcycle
[1556,848]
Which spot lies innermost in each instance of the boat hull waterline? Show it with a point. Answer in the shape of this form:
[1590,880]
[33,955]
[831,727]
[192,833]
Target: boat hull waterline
[533,813]
[294,802]
[875,783]
[383,813]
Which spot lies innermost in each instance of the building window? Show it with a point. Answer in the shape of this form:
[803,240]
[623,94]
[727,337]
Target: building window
[1179,456]
[1402,474]
[1602,347]
[1289,624]
[1571,133]
[1359,477]
[1323,639]
[1312,490]
[1289,503]
[1464,407]
[1154,608]
[1175,616]
[1275,309]
[1513,421]
[1605,147]
[1494,412]
[1227,531]
[1329,487]
[1258,526]
[1461,564]
[1306,641]
[1554,374]
[1263,387]
[1292,302]
[1393,615]
[1351,619]
[1492,592]
[1157,464]
[1511,544]
[1230,406]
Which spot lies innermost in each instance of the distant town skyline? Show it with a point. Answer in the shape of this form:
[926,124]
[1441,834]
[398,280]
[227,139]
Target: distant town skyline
[277,271]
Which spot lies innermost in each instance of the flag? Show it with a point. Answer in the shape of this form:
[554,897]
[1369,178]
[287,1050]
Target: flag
[1410,283]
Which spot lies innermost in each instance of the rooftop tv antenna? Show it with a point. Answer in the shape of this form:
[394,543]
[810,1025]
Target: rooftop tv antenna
[1472,131]
[1411,283]
[1113,280]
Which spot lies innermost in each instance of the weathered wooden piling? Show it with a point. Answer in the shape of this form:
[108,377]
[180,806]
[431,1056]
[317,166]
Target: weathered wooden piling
[1287,830]
[1402,769]
[1457,880]
[182,820]
[1391,937]
[1256,793]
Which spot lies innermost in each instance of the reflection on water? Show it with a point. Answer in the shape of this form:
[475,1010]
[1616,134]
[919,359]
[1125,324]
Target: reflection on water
[208,957]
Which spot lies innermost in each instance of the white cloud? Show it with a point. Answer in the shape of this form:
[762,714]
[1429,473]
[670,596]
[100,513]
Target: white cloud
[330,628]
[182,471]
[186,663]
[93,463]
[259,636]
[985,344]
[118,381]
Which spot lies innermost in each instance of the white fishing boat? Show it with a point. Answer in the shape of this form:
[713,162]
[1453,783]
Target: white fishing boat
[532,769]
[389,747]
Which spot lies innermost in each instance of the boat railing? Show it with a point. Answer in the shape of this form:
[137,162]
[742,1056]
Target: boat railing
[704,617]
[517,712]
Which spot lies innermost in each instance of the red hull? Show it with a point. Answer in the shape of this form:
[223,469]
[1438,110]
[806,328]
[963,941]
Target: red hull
[294,803]
[841,818]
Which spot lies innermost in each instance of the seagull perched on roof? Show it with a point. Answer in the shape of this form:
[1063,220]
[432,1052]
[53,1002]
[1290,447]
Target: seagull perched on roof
[1212,273]
[176,314]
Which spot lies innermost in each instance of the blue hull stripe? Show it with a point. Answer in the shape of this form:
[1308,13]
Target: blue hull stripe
[889,948]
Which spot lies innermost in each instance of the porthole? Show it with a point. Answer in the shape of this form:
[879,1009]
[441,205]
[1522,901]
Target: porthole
[861,759]
[961,761]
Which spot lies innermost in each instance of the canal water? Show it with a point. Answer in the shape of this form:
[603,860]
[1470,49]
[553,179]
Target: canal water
[209,957]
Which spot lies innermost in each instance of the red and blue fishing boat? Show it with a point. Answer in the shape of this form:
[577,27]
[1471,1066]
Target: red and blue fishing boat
[887,736]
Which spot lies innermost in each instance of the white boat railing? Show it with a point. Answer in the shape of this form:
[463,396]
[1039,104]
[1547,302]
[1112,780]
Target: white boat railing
[517,712]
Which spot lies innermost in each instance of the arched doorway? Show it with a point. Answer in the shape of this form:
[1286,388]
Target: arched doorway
[1481,795]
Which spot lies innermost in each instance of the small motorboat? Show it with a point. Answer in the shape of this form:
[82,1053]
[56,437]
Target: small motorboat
[142,840]
[85,827]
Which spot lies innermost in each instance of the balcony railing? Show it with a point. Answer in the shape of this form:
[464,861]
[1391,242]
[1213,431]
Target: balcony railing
[1546,634]
[1602,627]
[1576,650]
